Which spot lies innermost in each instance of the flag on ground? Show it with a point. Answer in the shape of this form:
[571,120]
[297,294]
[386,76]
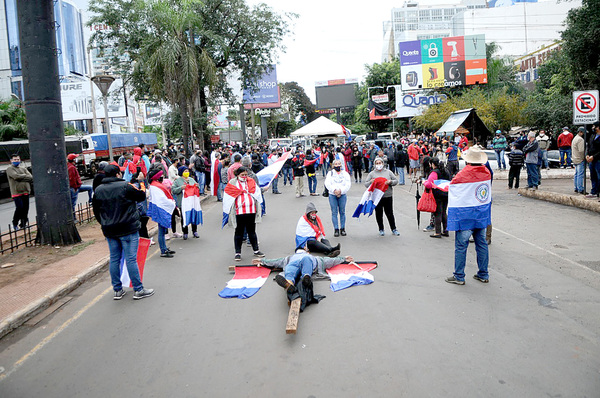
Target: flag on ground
[246,282]
[470,199]
[268,174]
[160,204]
[190,205]
[371,197]
[349,274]
[142,253]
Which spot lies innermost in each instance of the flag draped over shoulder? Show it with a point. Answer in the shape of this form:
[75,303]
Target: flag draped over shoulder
[470,199]
[231,193]
[268,174]
[216,178]
[190,206]
[142,253]
[310,162]
[246,282]
[371,197]
[306,230]
[161,204]
[345,275]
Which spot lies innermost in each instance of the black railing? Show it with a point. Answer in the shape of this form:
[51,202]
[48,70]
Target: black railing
[15,239]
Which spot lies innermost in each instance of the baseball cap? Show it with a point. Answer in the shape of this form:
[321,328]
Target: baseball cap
[565,128]
[72,156]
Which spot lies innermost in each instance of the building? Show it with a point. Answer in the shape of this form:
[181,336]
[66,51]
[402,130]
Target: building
[69,39]
[414,21]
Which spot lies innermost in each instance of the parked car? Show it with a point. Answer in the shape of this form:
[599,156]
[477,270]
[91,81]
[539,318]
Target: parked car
[554,159]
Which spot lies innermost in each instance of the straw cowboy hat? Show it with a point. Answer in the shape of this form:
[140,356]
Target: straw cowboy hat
[475,155]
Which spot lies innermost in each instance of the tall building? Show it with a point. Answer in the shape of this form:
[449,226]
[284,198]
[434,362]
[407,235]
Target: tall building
[414,21]
[69,39]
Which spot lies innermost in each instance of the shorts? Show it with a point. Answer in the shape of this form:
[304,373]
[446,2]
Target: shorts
[415,164]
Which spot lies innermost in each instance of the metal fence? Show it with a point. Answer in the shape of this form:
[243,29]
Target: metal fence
[14,239]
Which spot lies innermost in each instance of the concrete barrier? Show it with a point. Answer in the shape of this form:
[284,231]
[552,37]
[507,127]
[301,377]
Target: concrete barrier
[562,199]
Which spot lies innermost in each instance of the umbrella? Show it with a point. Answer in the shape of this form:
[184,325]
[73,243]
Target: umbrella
[417,197]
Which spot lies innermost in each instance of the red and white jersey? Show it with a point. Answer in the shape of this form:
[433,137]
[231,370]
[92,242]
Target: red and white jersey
[244,203]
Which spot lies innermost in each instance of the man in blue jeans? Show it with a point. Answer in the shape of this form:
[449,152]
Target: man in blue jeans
[469,213]
[115,208]
[499,144]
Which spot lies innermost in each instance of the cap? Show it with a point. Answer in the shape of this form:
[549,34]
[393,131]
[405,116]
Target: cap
[72,156]
[111,170]
[565,128]
[582,129]
[498,132]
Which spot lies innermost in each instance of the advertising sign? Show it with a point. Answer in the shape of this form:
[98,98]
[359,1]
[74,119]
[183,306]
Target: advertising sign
[444,62]
[380,98]
[152,114]
[585,107]
[76,98]
[409,104]
[265,90]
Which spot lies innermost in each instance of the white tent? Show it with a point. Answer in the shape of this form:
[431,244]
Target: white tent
[320,127]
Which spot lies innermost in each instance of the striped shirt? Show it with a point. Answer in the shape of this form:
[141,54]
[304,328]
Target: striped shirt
[244,203]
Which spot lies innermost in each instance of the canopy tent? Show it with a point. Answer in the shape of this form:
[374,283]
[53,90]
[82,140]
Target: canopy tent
[467,122]
[320,127]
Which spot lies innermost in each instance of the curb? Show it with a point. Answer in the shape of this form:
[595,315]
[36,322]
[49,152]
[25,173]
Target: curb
[562,199]
[18,318]
[545,174]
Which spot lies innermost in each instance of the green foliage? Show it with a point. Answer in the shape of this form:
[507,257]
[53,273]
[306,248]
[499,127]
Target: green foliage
[295,96]
[13,123]
[70,130]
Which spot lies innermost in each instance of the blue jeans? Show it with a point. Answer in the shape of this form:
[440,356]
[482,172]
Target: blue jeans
[89,189]
[220,190]
[201,179]
[295,268]
[545,158]
[500,158]
[325,168]
[74,194]
[578,178]
[287,175]
[400,175]
[338,205]
[532,175]
[126,246]
[312,184]
[461,242]
[595,177]
[274,184]
[349,167]
[565,153]
[162,243]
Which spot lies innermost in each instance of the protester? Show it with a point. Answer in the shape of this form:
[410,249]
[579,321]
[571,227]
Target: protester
[338,183]
[160,209]
[578,157]
[177,189]
[310,234]
[274,157]
[200,163]
[544,143]
[386,203]
[452,162]
[75,184]
[223,181]
[298,167]
[99,175]
[438,172]
[140,183]
[19,182]
[499,144]
[311,174]
[287,172]
[401,163]
[593,158]
[516,159]
[237,163]
[414,160]
[564,147]
[240,209]
[173,170]
[115,208]
[469,213]
[531,161]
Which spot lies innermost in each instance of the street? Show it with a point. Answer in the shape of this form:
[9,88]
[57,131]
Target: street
[533,331]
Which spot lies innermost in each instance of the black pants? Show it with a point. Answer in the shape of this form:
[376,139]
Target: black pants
[144,227]
[185,228]
[514,173]
[357,172]
[385,205]
[174,221]
[452,167]
[21,210]
[314,246]
[441,214]
[245,222]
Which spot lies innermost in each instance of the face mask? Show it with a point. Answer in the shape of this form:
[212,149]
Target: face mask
[313,216]
[337,168]
[242,179]
[379,166]
[16,163]
[186,174]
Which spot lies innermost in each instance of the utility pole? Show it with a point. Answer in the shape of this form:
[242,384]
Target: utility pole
[55,223]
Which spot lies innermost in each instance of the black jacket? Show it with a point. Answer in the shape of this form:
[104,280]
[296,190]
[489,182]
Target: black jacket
[115,207]
[594,148]
[298,167]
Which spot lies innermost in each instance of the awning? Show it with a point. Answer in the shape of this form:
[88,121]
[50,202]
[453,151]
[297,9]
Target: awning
[318,128]
[467,122]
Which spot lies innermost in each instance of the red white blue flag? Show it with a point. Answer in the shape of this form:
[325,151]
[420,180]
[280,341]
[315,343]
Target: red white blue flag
[470,199]
[142,254]
[371,197]
[345,275]
[268,174]
[347,132]
[190,205]
[246,282]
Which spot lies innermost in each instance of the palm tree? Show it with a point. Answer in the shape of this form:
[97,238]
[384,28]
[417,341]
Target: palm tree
[13,123]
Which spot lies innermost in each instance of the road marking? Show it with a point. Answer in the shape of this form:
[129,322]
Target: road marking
[546,251]
[49,338]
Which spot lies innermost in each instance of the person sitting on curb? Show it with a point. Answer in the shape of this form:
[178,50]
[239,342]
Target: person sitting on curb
[310,234]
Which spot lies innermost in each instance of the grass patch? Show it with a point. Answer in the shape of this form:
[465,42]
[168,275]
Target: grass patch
[32,260]
[75,250]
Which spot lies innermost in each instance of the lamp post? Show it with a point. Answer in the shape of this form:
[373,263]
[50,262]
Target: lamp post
[103,82]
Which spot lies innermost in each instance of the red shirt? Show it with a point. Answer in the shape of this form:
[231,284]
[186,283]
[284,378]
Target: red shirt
[74,179]
[564,140]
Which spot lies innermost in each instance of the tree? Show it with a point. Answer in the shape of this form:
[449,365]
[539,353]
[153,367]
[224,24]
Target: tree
[295,96]
[13,123]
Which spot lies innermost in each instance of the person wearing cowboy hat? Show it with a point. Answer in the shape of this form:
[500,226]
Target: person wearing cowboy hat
[469,213]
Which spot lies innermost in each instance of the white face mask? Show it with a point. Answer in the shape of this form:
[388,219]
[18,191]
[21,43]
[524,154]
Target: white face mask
[379,166]
[242,179]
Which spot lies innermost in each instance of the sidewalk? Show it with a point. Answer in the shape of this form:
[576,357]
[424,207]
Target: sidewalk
[35,292]
[560,191]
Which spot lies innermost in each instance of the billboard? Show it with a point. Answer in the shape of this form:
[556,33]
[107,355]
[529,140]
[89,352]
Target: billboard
[152,114]
[408,104]
[265,91]
[340,93]
[76,98]
[444,62]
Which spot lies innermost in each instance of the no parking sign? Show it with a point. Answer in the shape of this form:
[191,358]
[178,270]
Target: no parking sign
[585,107]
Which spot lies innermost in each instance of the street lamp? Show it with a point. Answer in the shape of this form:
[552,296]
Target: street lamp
[103,82]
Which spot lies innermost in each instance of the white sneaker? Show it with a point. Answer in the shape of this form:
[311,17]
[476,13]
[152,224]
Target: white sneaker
[177,235]
[167,236]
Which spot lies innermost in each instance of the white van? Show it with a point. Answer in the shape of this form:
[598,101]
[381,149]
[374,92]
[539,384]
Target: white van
[280,142]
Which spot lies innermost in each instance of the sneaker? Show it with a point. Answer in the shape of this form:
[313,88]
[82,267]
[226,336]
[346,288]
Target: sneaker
[167,236]
[445,233]
[171,251]
[480,279]
[119,294]
[343,232]
[258,253]
[381,232]
[428,228]
[166,255]
[334,253]
[185,236]
[284,283]
[439,236]
[177,235]
[395,232]
[336,233]
[452,279]
[238,257]
[196,235]
[248,243]
[140,294]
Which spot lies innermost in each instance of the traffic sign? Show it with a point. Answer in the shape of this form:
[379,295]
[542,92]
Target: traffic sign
[585,107]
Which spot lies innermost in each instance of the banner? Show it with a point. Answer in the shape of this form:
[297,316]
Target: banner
[76,98]
[265,91]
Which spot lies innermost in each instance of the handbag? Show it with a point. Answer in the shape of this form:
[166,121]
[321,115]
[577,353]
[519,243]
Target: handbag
[427,202]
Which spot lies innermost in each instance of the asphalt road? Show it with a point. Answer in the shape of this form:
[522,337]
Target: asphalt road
[533,331]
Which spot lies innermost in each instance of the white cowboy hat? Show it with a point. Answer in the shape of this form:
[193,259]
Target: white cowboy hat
[475,155]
